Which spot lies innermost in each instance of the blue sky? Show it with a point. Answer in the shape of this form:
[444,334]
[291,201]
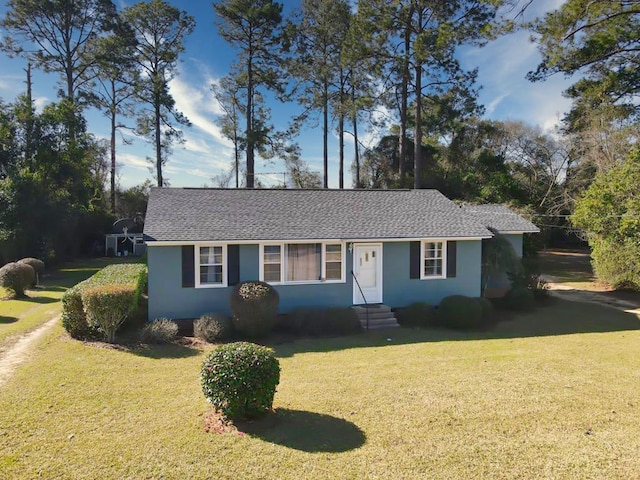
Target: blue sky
[505,93]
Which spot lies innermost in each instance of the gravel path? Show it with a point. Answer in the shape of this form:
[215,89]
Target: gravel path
[18,353]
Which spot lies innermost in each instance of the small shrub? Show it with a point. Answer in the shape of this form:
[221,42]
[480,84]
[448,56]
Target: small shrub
[323,321]
[73,310]
[36,264]
[74,319]
[519,299]
[212,327]
[254,306]
[161,330]
[240,379]
[460,312]
[107,307]
[16,277]
[418,314]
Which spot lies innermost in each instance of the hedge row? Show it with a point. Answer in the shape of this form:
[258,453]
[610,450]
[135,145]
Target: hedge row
[128,278]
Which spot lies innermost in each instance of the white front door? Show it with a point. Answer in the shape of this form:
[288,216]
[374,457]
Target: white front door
[367,268]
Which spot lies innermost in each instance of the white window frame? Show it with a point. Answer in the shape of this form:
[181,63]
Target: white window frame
[423,258]
[196,260]
[323,263]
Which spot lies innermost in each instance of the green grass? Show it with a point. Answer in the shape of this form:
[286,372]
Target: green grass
[551,394]
[20,316]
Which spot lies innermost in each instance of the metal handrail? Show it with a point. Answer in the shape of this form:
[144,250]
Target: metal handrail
[366,304]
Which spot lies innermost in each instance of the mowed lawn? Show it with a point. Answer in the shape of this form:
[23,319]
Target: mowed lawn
[552,394]
[20,316]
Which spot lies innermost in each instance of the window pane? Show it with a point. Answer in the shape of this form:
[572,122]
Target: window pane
[303,262]
[211,275]
[272,272]
[433,259]
[272,254]
[210,255]
[334,253]
[334,270]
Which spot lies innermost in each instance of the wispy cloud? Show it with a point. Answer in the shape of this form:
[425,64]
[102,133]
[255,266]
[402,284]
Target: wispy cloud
[198,104]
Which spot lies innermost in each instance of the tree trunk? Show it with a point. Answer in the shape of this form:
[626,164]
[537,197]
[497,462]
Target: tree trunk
[404,94]
[417,141]
[356,149]
[250,140]
[325,133]
[158,140]
[113,148]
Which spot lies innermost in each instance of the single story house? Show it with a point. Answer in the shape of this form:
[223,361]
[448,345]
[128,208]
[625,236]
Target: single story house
[316,247]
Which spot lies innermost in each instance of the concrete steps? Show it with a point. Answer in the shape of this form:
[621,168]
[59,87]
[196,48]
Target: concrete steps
[380,316]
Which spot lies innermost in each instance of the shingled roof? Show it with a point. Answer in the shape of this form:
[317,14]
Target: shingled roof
[189,215]
[499,218]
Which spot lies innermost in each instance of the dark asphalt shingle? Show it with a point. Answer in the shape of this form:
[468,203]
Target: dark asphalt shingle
[176,214]
[499,218]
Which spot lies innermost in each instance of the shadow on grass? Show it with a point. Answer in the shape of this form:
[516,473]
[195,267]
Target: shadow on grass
[31,298]
[305,431]
[5,320]
[560,317]
[171,350]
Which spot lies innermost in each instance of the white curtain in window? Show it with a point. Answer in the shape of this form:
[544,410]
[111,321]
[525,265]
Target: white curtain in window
[303,262]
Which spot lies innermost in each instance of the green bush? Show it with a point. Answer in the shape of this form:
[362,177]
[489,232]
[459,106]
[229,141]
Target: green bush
[107,307]
[161,330]
[36,264]
[418,314]
[460,312]
[487,308]
[254,306]
[74,319]
[240,379]
[323,321]
[519,299]
[212,327]
[16,277]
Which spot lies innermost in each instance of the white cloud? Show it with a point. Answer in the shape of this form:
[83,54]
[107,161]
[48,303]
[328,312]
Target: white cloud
[198,105]
[133,161]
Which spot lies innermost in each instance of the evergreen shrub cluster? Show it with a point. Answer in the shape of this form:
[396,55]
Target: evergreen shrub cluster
[212,327]
[240,379]
[254,306]
[16,277]
[79,322]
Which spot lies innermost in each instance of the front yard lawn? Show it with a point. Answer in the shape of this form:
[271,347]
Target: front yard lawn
[551,394]
[20,316]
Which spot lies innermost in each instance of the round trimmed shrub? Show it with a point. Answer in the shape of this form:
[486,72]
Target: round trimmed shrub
[15,277]
[212,327]
[460,312]
[240,379]
[161,330]
[254,306]
[36,264]
[418,314]
[519,299]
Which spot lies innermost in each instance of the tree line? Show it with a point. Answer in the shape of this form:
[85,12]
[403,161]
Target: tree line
[342,63]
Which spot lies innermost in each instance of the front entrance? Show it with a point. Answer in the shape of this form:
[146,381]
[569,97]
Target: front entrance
[367,268]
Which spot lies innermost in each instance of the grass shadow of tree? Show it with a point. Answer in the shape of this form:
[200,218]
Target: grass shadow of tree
[6,320]
[170,350]
[306,431]
[560,317]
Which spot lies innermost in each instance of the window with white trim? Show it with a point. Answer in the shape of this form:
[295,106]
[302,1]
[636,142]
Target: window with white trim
[433,259]
[210,266]
[302,262]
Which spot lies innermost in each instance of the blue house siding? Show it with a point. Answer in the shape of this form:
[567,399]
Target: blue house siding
[167,297]
[399,290]
[499,283]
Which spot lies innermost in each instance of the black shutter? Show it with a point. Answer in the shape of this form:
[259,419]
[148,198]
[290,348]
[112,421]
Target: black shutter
[188,266]
[233,265]
[451,259]
[414,259]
